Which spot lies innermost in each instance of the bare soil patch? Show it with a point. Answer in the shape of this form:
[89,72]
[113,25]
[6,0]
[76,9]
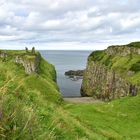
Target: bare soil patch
[81,100]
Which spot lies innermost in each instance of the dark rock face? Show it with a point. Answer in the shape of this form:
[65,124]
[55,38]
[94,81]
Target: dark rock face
[74,73]
[105,84]
[133,90]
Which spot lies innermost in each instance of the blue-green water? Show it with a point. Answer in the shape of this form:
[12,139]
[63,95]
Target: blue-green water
[64,61]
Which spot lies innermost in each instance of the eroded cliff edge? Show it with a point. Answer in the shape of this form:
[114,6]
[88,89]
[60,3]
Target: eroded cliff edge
[113,73]
[28,59]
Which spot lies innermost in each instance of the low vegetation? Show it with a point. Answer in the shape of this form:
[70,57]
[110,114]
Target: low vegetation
[31,107]
[25,100]
[116,120]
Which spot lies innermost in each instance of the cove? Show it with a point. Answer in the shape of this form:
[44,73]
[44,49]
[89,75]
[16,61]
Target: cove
[65,61]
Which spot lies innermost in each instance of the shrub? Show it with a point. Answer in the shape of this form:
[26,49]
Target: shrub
[135,67]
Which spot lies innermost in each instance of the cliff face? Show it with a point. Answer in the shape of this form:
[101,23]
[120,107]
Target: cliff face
[112,73]
[30,63]
[3,54]
[123,50]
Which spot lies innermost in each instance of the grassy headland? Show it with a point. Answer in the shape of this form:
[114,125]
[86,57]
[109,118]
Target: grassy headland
[31,108]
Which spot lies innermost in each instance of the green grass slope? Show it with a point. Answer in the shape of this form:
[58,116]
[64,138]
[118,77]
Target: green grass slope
[24,99]
[116,120]
[31,108]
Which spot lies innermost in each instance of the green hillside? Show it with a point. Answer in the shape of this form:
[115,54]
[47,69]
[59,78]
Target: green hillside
[116,120]
[25,99]
[31,107]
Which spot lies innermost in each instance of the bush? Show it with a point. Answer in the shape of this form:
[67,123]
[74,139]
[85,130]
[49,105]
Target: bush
[135,67]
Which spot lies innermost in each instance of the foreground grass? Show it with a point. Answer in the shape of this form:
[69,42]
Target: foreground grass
[31,108]
[26,100]
[119,119]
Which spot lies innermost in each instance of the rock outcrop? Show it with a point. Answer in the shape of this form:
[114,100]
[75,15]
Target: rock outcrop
[108,74]
[74,73]
[122,50]
[30,60]
[3,54]
[30,63]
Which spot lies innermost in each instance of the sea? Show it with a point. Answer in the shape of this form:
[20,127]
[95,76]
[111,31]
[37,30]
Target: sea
[64,61]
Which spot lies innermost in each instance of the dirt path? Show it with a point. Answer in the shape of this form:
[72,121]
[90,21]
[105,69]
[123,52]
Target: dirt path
[81,100]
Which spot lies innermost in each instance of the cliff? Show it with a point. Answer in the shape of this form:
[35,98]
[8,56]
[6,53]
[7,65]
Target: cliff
[124,50]
[30,61]
[113,73]
[26,97]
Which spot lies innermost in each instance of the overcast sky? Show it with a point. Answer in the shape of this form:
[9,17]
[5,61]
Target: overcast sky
[68,24]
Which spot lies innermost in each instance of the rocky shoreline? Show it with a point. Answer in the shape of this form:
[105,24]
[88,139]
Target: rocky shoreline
[75,75]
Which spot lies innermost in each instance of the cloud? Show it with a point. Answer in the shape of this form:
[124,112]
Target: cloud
[40,22]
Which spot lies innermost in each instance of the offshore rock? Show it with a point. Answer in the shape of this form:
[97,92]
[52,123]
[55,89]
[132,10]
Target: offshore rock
[75,75]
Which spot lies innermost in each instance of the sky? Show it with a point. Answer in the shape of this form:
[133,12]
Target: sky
[68,24]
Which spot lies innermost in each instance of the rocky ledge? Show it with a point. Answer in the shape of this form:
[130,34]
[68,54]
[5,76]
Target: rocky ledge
[29,59]
[124,50]
[29,62]
[75,74]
